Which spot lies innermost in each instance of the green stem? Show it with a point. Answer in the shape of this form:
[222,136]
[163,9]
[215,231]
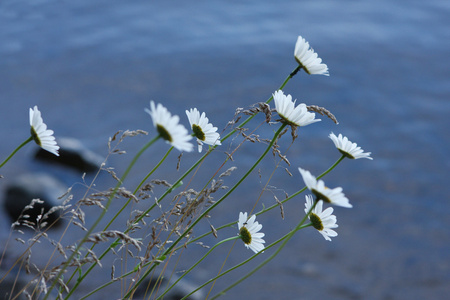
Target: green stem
[17,149]
[303,189]
[103,212]
[244,262]
[199,261]
[142,216]
[292,74]
[196,164]
[267,260]
[270,207]
[225,226]
[332,167]
[137,188]
[81,278]
[215,204]
[208,152]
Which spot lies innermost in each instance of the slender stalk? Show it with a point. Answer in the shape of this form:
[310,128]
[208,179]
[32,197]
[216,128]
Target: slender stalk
[225,226]
[215,204]
[137,188]
[267,260]
[244,262]
[292,74]
[303,189]
[209,281]
[214,147]
[207,153]
[332,167]
[118,213]
[270,207]
[151,208]
[102,214]
[17,149]
[194,265]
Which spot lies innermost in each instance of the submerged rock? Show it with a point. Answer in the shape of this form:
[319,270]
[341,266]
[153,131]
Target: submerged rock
[23,190]
[74,154]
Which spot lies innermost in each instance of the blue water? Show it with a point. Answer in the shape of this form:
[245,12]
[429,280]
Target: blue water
[92,67]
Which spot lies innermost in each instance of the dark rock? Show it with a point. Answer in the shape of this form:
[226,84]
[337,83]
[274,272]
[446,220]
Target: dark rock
[74,154]
[24,189]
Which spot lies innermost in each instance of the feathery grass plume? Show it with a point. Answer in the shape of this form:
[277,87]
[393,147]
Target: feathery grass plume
[322,111]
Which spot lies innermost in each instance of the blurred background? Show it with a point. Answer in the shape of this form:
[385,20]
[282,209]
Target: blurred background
[93,66]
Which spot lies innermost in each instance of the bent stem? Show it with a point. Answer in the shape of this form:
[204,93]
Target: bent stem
[137,188]
[169,250]
[199,261]
[286,239]
[303,189]
[17,149]
[100,217]
[270,207]
[118,213]
[244,262]
[292,74]
[225,226]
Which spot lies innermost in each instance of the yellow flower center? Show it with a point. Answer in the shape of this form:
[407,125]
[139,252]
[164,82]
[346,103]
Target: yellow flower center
[320,196]
[198,132]
[35,136]
[246,237]
[346,154]
[163,133]
[316,221]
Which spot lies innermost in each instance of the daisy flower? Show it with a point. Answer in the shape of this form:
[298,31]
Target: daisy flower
[347,148]
[318,188]
[291,114]
[168,128]
[308,59]
[248,230]
[202,130]
[40,134]
[323,221]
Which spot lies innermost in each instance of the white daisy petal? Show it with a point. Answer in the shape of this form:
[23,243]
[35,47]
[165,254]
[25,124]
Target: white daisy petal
[323,221]
[298,116]
[249,232]
[242,219]
[202,130]
[318,188]
[168,127]
[41,135]
[308,59]
[347,148]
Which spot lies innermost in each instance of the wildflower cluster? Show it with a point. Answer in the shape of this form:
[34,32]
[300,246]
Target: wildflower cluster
[160,229]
